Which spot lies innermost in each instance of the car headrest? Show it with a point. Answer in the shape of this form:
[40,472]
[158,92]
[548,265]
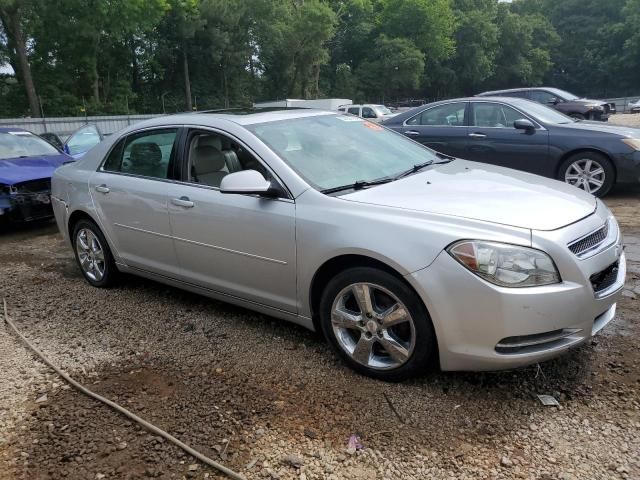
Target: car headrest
[207,159]
[146,152]
[210,140]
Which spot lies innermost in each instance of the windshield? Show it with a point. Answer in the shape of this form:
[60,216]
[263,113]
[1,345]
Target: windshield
[24,144]
[543,113]
[562,94]
[329,151]
[381,109]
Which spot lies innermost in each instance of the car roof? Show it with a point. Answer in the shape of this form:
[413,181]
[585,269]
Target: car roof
[239,116]
[509,90]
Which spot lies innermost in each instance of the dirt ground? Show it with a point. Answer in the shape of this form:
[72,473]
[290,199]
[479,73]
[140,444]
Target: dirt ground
[270,400]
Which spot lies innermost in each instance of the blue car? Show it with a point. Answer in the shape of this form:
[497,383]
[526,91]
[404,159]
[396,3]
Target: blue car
[26,165]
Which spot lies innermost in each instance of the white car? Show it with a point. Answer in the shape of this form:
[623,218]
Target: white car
[634,107]
[372,112]
[404,258]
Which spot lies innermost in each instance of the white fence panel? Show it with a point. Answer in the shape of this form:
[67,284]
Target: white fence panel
[63,126]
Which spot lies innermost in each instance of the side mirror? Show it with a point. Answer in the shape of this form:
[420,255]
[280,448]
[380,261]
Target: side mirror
[554,101]
[248,182]
[524,124]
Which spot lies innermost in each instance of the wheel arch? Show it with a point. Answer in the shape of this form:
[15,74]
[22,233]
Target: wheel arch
[570,153]
[338,264]
[74,218]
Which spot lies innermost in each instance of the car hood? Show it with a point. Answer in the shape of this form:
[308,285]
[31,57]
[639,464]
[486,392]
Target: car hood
[586,125]
[16,170]
[587,101]
[486,193]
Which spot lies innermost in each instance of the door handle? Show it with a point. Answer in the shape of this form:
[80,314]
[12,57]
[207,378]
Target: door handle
[478,135]
[183,202]
[412,133]
[102,188]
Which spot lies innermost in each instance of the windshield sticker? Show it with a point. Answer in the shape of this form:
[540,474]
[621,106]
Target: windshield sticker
[373,126]
[20,133]
[346,118]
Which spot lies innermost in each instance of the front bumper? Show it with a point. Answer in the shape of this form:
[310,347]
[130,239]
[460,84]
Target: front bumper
[474,320]
[24,207]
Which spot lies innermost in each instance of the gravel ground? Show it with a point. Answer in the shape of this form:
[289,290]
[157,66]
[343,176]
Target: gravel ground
[269,399]
[626,119]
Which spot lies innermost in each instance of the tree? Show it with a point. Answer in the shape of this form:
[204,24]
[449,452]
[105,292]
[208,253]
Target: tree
[476,38]
[394,65]
[11,21]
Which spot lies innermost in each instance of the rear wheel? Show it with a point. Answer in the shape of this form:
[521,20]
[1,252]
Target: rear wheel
[377,324]
[590,171]
[93,254]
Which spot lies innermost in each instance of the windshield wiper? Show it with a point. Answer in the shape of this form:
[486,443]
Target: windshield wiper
[446,158]
[357,185]
[416,168]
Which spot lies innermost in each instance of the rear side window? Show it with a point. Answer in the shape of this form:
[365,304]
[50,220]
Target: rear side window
[354,111]
[451,114]
[147,154]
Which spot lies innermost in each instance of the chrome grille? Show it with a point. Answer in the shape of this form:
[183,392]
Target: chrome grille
[589,242]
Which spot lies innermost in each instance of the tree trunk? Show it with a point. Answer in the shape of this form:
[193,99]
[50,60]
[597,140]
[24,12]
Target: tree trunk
[94,72]
[13,30]
[187,81]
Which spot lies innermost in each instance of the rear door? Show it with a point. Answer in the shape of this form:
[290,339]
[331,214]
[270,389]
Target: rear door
[129,192]
[442,128]
[493,139]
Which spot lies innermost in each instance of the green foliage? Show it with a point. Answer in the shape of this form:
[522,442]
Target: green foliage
[394,66]
[119,56]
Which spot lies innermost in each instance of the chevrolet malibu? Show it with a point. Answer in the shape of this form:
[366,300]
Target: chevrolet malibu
[403,258]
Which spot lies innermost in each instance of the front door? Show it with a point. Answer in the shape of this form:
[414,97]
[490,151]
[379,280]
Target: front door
[240,245]
[493,139]
[130,195]
[441,128]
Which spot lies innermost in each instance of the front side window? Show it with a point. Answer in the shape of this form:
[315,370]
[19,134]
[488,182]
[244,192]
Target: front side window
[147,154]
[494,115]
[329,151]
[21,144]
[368,112]
[451,114]
[541,96]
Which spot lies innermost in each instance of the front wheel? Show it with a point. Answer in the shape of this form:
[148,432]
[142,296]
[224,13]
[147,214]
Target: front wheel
[589,171]
[93,254]
[377,324]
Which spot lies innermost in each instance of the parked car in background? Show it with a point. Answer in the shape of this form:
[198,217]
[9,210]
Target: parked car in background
[26,164]
[525,135]
[78,143]
[634,107]
[403,258]
[372,112]
[565,102]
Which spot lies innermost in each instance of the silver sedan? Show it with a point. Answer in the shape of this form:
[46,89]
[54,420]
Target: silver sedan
[402,257]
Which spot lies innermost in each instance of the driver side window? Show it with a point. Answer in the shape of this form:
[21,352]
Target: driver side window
[451,114]
[212,156]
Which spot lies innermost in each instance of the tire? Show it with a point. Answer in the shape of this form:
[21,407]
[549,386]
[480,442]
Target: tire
[364,342]
[572,171]
[577,116]
[98,269]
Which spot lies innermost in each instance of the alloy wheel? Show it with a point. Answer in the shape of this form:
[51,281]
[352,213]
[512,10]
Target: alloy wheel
[586,174]
[373,326]
[90,254]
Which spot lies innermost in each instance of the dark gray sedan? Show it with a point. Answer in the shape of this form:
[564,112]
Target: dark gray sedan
[526,135]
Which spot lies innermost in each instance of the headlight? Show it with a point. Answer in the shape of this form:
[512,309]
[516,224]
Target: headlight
[506,265]
[632,142]
[595,106]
